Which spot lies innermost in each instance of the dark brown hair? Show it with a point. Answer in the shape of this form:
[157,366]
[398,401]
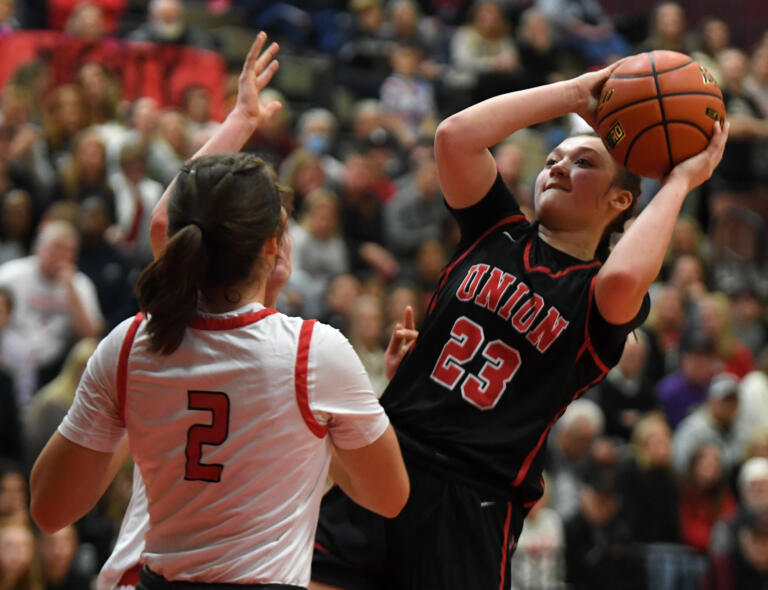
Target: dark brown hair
[629,181]
[221,211]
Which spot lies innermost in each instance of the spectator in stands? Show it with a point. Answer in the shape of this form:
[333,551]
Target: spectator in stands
[196,106]
[319,253]
[705,497]
[19,567]
[366,328]
[49,405]
[60,12]
[756,82]
[667,29]
[740,179]
[625,395]
[102,94]
[86,22]
[687,273]
[26,152]
[484,53]
[406,94]
[11,443]
[303,173]
[598,543]
[316,134]
[66,114]
[539,560]
[417,213]
[8,21]
[85,174]
[54,303]
[170,147]
[584,27]
[112,273]
[34,78]
[746,564]
[14,494]
[753,499]
[684,389]
[399,296]
[714,423]
[57,553]
[716,320]
[362,220]
[687,239]
[749,321]
[166,23]
[568,450]
[540,51]
[649,483]
[362,61]
[17,214]
[339,300]
[714,35]
[16,355]
[135,196]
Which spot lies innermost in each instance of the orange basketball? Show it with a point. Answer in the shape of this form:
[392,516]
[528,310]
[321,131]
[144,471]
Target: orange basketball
[658,109]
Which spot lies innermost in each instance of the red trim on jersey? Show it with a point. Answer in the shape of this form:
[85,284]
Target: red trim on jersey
[130,576]
[530,504]
[230,323]
[320,547]
[302,370]
[587,338]
[504,547]
[122,363]
[529,459]
[547,271]
[447,270]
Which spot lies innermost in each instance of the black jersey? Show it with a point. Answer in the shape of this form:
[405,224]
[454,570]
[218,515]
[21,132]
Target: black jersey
[511,337]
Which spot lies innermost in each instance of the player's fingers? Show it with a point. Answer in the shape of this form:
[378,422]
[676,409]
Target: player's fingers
[253,53]
[266,57]
[264,77]
[394,340]
[408,321]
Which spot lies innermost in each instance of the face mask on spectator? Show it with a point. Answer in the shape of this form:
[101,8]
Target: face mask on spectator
[168,31]
[316,143]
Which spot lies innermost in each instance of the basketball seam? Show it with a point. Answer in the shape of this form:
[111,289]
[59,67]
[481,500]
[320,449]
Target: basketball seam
[642,100]
[663,115]
[676,121]
[660,73]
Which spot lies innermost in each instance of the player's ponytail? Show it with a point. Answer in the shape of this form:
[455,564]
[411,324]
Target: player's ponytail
[168,288]
[222,210]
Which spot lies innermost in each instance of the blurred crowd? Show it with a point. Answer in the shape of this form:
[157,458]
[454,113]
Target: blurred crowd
[657,478]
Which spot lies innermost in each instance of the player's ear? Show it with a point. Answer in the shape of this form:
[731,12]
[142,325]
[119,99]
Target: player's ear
[621,199]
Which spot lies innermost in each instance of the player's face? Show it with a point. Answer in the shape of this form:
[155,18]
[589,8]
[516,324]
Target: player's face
[573,185]
[282,269]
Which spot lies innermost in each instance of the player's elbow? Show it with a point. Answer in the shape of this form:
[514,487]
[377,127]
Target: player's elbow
[44,514]
[449,134]
[396,501]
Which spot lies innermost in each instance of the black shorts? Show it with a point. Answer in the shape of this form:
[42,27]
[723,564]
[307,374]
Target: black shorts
[149,580]
[450,535]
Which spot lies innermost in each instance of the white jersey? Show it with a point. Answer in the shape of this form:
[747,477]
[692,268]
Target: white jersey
[126,554]
[229,434]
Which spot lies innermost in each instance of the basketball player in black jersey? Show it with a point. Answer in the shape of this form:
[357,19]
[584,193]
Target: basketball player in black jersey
[527,317]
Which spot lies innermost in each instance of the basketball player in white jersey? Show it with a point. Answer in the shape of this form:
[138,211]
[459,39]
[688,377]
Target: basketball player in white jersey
[233,411]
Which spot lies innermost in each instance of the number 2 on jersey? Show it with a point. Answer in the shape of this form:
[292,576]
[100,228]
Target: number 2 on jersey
[501,363]
[214,433]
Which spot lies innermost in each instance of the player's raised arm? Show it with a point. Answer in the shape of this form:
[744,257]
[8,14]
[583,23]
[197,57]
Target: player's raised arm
[247,116]
[465,164]
[636,260]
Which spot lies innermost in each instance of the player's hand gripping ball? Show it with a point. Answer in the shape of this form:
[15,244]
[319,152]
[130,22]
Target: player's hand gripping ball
[658,109]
